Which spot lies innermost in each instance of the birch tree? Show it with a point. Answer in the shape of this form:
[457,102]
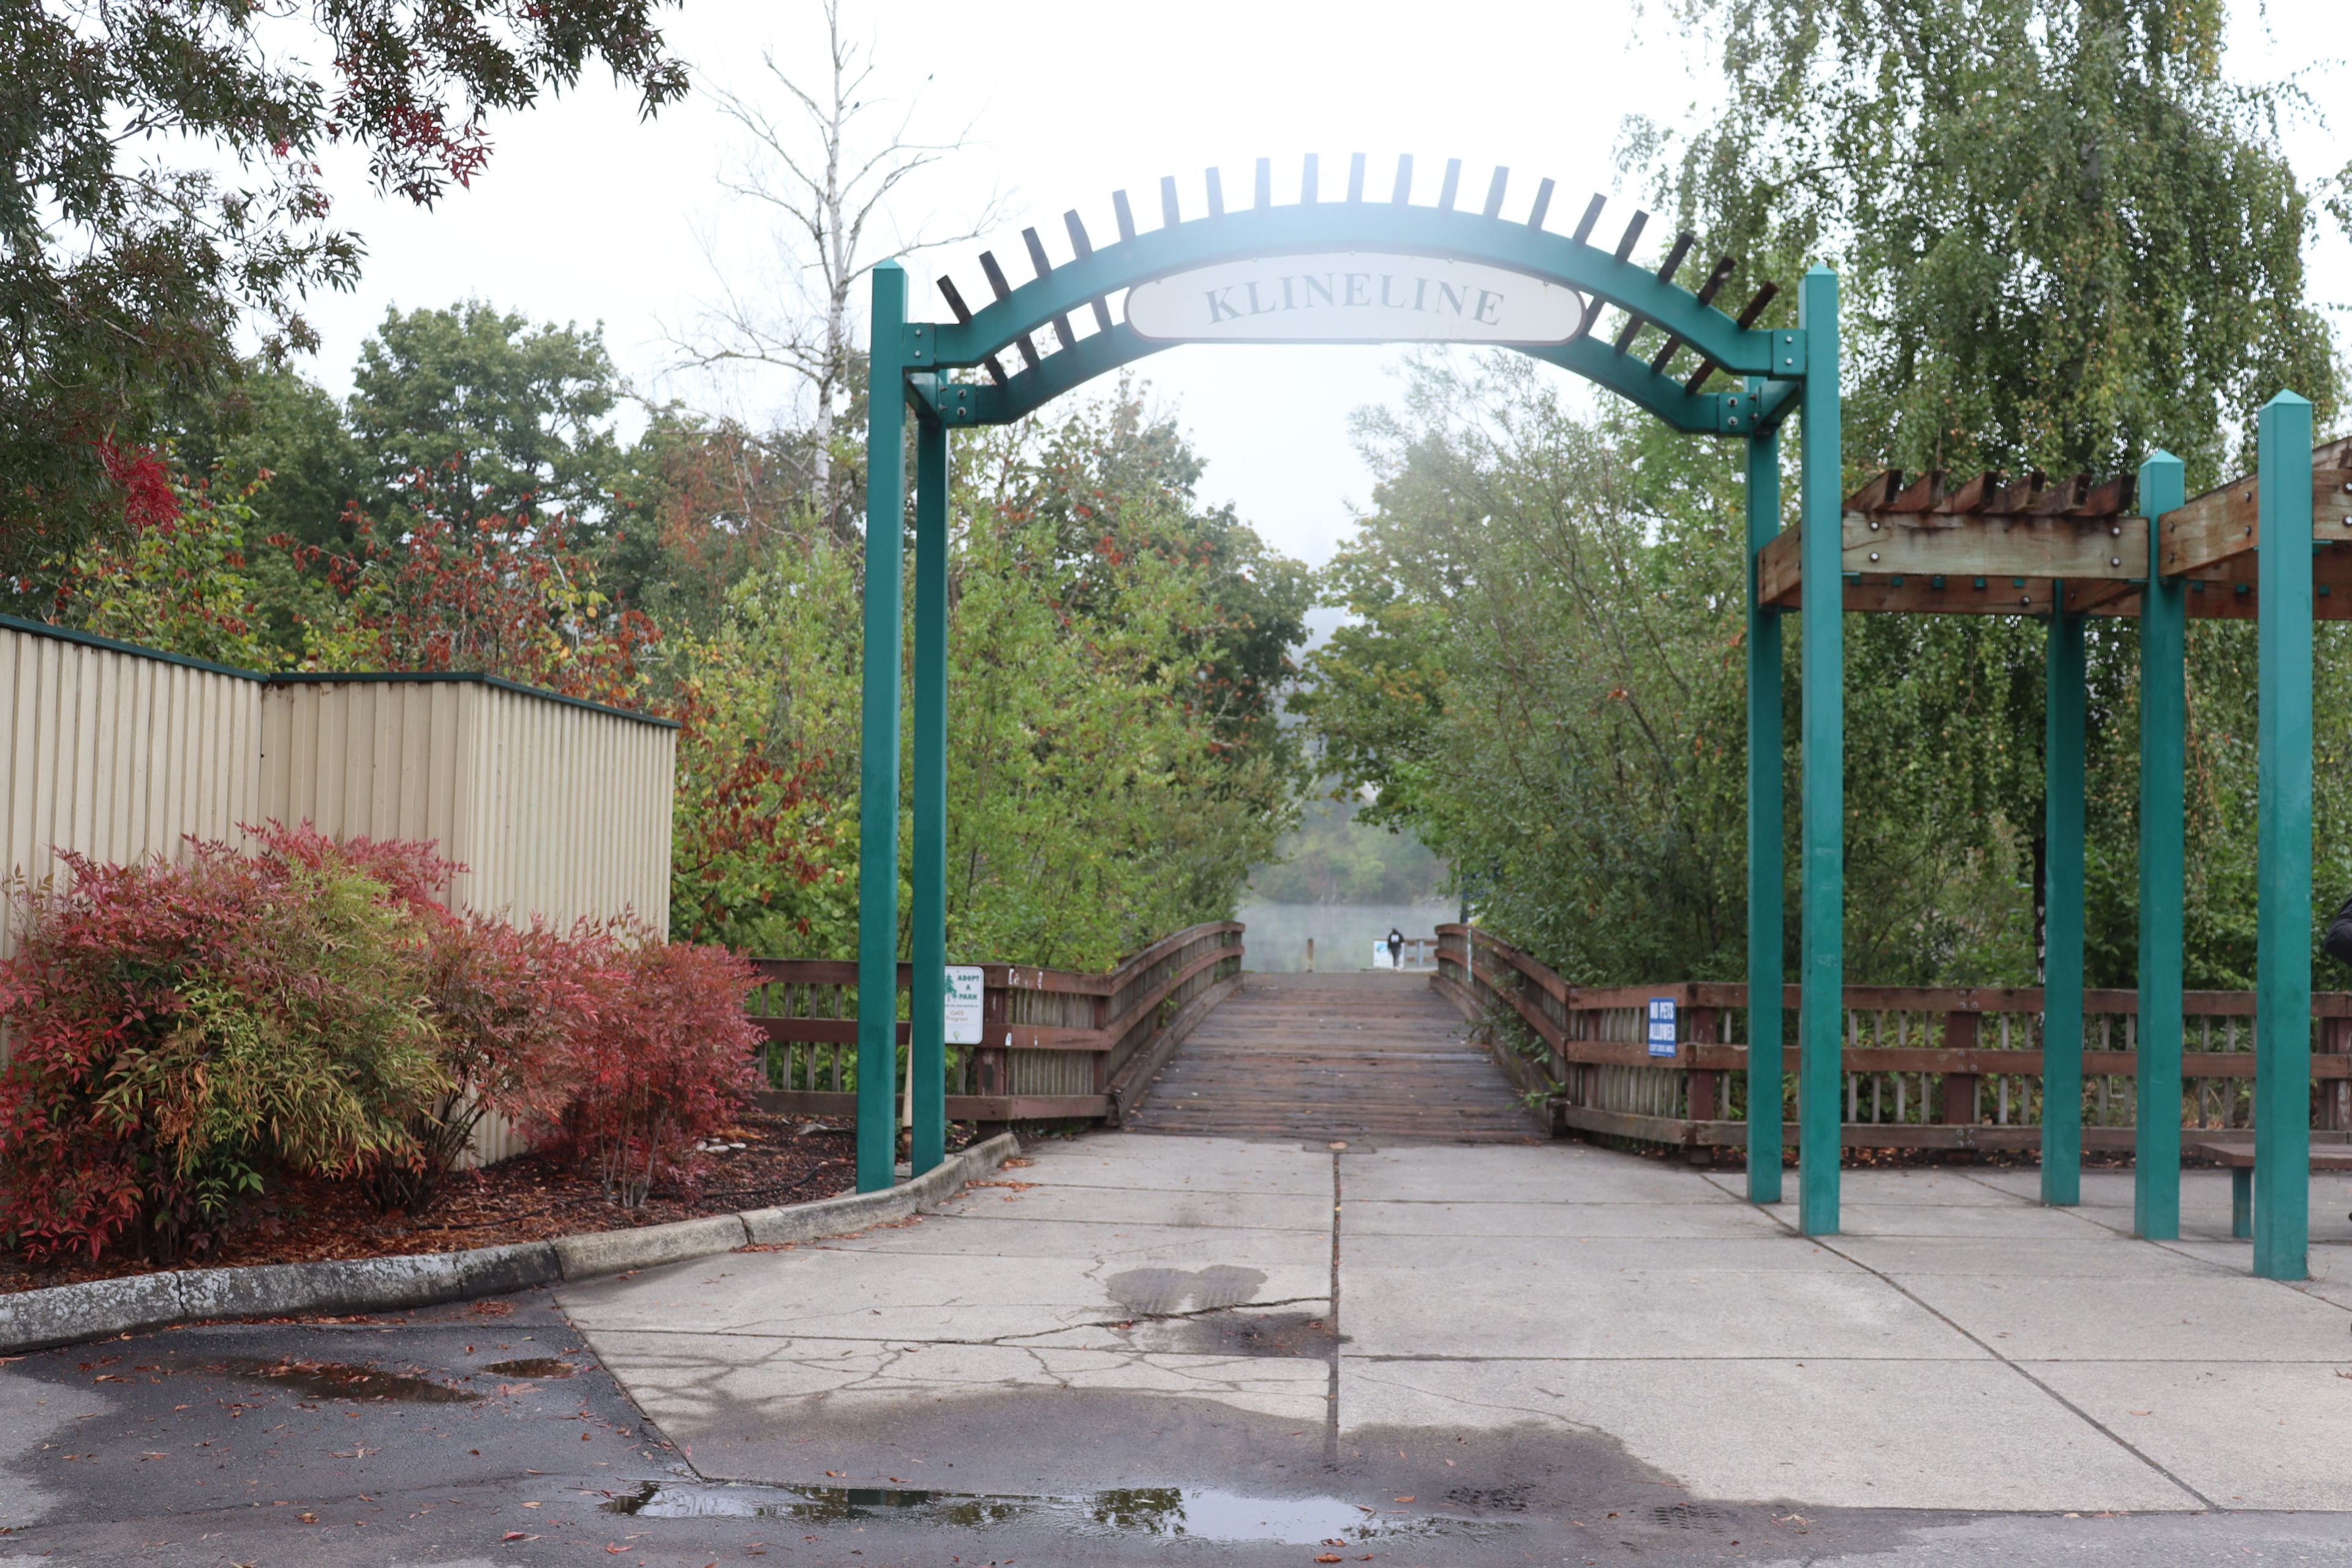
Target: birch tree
[823,157]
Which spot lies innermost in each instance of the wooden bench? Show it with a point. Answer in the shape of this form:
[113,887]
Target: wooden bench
[2239,1158]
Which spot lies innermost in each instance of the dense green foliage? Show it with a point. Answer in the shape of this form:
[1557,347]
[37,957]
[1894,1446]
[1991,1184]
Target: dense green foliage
[1113,762]
[2063,238]
[1545,685]
[164,191]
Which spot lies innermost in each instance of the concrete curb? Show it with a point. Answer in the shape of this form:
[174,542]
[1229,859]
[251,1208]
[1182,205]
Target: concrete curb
[71,1314]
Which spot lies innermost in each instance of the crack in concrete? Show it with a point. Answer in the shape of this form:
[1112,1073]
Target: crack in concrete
[1006,1340]
[2173,1244]
[1827,1245]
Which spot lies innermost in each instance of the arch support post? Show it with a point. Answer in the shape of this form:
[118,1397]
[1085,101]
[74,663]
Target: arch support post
[877,750]
[1765,873]
[1822,812]
[2163,833]
[2062,905]
[927,993]
[2282,842]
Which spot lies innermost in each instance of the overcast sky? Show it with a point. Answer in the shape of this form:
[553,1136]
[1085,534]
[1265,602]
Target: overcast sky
[586,214]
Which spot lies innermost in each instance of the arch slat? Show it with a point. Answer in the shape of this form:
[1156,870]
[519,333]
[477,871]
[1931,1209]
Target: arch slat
[1603,279]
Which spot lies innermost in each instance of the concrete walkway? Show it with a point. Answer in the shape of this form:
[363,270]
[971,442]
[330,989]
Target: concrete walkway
[1480,1331]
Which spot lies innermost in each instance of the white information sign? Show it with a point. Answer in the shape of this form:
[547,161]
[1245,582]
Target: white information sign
[1382,957]
[1353,296]
[964,991]
[1662,1025]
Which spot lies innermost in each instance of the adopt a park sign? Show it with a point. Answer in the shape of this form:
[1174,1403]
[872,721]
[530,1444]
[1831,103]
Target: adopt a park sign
[1354,296]
[967,990]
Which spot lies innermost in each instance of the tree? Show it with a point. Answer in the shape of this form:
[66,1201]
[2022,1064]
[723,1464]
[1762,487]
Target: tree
[825,188]
[283,437]
[1542,681]
[1115,478]
[2064,237]
[473,412]
[125,275]
[701,501]
[1101,791]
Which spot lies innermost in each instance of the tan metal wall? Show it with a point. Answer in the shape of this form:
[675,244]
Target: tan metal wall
[557,810]
[118,754]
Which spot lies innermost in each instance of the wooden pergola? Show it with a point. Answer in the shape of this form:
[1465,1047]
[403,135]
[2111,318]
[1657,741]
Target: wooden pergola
[2063,552]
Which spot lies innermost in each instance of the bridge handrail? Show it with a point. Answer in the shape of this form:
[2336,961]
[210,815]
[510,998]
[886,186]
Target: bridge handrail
[1594,1060]
[1055,1042]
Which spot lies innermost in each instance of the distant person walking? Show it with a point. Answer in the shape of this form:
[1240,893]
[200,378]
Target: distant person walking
[1396,948]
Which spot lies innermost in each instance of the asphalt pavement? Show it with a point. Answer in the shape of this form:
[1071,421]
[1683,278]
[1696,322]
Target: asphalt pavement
[1203,1351]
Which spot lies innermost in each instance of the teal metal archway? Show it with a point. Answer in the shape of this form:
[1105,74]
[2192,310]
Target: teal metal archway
[953,374]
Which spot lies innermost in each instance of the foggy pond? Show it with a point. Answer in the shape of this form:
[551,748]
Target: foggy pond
[1276,942]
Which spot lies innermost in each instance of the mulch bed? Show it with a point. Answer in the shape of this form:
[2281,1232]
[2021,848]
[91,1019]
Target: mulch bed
[783,1159]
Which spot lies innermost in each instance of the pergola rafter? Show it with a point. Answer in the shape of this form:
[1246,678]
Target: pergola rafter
[1998,546]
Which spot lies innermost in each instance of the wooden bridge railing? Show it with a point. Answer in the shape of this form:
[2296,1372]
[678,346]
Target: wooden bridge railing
[1925,1067]
[1054,1043]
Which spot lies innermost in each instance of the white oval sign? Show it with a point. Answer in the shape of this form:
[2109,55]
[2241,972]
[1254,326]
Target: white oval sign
[1358,297]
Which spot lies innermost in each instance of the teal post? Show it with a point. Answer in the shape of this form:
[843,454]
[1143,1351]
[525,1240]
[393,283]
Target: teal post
[927,1052]
[2163,819]
[2283,843]
[878,759]
[1764,870]
[1822,812]
[2062,905]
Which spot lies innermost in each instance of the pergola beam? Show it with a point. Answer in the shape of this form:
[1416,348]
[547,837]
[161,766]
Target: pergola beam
[1908,543]
[2222,529]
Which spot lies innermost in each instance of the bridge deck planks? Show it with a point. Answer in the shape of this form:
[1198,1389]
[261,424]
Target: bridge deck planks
[1335,1056]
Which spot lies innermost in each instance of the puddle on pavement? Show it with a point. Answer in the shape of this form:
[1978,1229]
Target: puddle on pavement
[340,1379]
[1198,1513]
[546,1368]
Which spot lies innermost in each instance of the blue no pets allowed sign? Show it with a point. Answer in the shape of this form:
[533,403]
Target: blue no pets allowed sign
[1662,1025]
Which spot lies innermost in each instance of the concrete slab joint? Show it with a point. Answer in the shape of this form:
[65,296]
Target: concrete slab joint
[71,1314]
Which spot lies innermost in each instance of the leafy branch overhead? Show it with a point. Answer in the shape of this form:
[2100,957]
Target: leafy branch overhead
[131,259]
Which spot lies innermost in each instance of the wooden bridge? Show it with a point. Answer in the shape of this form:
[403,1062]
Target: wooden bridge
[1352,1056]
[1496,1047]
[1176,1039]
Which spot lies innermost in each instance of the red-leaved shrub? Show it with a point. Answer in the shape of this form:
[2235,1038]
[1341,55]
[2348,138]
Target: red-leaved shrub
[185,1032]
[181,1033]
[503,1002]
[663,1058]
